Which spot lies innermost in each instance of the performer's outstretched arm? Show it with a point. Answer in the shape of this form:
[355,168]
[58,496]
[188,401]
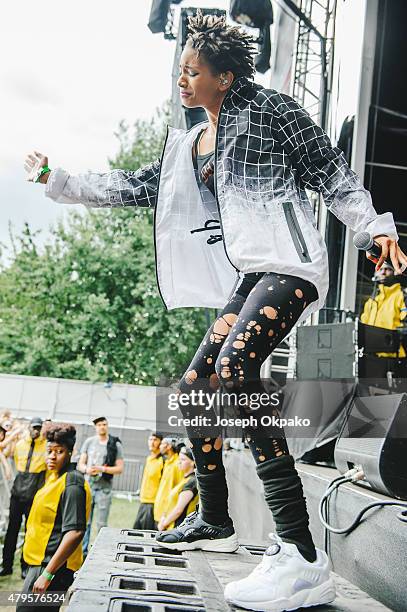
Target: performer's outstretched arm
[323,168]
[111,189]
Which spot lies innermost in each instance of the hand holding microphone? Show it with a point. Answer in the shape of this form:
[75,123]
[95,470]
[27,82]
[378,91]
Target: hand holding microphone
[381,249]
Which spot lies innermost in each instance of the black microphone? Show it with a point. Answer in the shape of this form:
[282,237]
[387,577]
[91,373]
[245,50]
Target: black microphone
[364,242]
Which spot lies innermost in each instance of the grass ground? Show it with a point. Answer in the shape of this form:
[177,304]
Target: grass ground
[122,514]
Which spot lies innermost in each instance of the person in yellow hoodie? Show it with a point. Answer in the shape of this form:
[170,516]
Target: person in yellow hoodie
[183,498]
[387,309]
[171,476]
[153,469]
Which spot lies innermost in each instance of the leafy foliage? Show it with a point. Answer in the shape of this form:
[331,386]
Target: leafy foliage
[87,306]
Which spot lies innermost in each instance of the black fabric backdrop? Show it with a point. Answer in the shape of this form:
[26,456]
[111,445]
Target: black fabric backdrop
[325,403]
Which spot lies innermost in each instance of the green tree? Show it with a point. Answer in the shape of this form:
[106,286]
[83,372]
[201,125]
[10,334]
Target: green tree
[86,306]
[142,143]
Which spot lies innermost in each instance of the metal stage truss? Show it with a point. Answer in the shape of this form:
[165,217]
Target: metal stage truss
[280,365]
[313,58]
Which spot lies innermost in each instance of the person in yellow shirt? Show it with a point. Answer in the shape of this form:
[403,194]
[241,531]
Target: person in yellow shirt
[5,469]
[57,522]
[29,459]
[183,498]
[387,309]
[150,482]
[171,476]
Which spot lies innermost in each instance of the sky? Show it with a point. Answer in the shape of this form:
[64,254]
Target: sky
[70,72]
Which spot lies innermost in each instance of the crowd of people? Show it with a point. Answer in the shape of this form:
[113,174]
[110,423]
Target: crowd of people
[61,488]
[11,430]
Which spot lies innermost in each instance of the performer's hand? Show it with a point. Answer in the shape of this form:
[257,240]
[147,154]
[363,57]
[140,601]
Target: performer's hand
[389,247]
[33,163]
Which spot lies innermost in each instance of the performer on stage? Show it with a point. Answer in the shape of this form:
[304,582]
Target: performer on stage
[229,196]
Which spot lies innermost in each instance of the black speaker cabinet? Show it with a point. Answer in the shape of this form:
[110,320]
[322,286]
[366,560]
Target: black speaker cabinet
[344,350]
[326,351]
[374,437]
[377,339]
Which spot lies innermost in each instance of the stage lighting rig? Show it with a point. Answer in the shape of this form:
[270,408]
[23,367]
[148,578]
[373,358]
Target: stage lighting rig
[256,14]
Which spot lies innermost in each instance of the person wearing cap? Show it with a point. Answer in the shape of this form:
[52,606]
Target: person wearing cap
[386,308]
[29,459]
[101,459]
[153,469]
[171,476]
[183,498]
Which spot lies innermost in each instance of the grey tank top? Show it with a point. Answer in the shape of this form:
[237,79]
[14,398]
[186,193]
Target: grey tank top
[200,161]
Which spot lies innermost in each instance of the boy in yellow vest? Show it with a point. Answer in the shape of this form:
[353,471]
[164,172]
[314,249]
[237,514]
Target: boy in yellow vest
[153,469]
[171,476]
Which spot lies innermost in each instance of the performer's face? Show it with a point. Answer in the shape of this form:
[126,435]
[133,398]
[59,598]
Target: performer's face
[198,84]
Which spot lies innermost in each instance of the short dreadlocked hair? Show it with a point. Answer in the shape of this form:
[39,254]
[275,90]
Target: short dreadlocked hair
[61,433]
[224,47]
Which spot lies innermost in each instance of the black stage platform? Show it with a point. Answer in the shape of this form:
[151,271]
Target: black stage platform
[373,556]
[126,572]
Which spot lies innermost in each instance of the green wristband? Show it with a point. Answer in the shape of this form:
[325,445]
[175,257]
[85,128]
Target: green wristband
[47,575]
[43,171]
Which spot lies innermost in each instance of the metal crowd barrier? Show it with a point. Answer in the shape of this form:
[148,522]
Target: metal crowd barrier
[129,480]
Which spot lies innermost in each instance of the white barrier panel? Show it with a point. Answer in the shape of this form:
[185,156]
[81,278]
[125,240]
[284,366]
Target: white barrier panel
[80,401]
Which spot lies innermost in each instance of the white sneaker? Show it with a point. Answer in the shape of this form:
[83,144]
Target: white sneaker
[284,580]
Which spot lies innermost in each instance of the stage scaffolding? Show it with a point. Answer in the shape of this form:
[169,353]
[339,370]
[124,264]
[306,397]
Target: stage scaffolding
[313,59]
[311,88]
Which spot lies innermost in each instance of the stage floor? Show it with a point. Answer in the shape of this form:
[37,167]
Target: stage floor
[372,556]
[126,572]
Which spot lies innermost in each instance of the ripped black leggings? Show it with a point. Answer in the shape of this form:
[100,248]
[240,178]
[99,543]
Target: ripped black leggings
[263,309]
[261,312]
